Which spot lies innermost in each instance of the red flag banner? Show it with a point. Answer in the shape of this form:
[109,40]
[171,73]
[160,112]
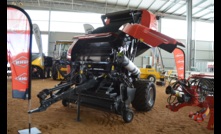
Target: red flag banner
[179,57]
[19,36]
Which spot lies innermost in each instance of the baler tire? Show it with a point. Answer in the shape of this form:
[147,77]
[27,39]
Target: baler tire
[145,95]
[65,103]
[128,115]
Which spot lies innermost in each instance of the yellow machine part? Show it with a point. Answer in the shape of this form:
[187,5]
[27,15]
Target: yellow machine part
[64,70]
[38,62]
[145,72]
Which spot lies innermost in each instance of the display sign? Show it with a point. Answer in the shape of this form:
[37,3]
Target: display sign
[180,62]
[19,38]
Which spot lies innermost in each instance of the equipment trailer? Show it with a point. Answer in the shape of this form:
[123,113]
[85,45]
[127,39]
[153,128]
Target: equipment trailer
[102,73]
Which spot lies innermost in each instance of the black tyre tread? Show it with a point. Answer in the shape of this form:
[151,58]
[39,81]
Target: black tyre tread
[39,71]
[140,101]
[42,76]
[125,115]
[64,103]
[54,72]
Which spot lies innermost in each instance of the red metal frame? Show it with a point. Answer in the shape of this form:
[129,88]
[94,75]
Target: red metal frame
[149,36]
[207,105]
[149,20]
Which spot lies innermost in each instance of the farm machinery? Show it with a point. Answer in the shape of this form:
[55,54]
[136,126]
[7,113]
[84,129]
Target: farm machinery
[102,73]
[196,90]
[59,67]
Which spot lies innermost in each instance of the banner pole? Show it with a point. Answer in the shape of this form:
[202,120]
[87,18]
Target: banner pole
[19,17]
[30,77]
[29,115]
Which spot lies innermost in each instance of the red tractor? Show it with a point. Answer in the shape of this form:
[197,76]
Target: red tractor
[102,73]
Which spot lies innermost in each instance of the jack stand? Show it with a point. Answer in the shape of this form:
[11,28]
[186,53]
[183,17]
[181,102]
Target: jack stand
[78,107]
[211,120]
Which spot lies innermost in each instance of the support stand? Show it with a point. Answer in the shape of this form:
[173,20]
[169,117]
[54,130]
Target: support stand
[33,130]
[210,124]
[78,107]
[30,130]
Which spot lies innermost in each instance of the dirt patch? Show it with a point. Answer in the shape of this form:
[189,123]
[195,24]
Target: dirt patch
[62,120]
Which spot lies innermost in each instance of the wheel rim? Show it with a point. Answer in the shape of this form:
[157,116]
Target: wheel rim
[129,116]
[151,79]
[151,96]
